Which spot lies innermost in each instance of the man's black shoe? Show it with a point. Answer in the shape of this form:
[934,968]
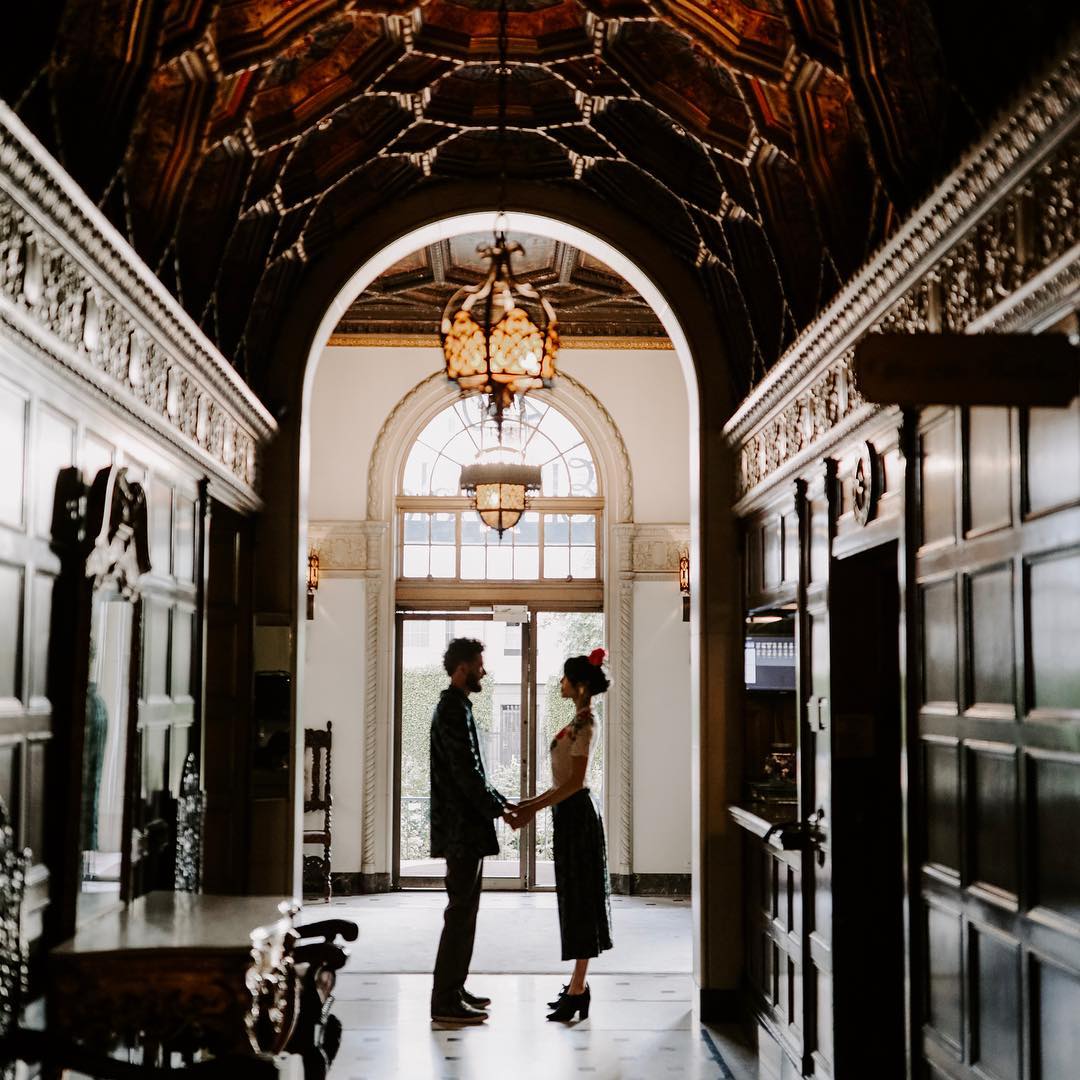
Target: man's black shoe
[473,1000]
[457,1012]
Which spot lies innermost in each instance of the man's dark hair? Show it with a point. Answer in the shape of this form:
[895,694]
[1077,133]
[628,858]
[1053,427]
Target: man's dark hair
[462,650]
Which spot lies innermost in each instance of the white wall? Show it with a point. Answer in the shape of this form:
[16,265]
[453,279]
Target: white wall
[333,689]
[356,388]
[354,391]
[661,731]
[643,389]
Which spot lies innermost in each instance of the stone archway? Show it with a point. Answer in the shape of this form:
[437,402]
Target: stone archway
[715,635]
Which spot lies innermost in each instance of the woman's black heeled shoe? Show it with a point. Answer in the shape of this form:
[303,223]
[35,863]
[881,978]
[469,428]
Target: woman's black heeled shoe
[571,1004]
[562,994]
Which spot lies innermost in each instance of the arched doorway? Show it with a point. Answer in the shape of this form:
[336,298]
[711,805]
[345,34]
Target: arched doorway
[714,641]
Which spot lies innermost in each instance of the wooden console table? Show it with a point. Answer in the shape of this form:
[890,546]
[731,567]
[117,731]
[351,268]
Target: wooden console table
[176,973]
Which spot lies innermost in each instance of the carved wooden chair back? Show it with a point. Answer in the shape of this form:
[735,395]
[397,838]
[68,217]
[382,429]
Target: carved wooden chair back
[318,798]
[319,744]
[13,865]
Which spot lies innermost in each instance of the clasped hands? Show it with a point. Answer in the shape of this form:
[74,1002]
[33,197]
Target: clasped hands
[517,816]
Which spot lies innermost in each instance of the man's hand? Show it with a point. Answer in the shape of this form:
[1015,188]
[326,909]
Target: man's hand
[519,818]
[509,815]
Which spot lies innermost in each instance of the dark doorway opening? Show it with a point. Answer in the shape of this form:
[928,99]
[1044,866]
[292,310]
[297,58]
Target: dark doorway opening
[867,814]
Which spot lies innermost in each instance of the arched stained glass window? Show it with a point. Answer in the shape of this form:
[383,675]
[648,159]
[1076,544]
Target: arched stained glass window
[440,535]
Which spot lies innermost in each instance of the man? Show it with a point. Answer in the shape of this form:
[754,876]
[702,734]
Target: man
[463,811]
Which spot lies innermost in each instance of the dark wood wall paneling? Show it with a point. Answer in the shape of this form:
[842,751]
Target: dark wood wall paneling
[815,935]
[771,554]
[46,427]
[167,705]
[774,907]
[229,730]
[998,586]
[36,441]
[815,772]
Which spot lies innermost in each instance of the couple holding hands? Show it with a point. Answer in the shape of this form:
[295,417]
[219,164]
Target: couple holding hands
[464,807]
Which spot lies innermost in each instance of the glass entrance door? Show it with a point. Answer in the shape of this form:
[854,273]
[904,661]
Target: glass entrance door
[517,715]
[557,635]
[500,713]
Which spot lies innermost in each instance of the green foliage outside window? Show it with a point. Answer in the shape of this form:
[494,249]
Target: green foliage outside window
[579,634]
[420,690]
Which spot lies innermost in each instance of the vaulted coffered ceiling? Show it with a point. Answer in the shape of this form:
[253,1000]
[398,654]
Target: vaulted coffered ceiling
[771,143]
[591,300]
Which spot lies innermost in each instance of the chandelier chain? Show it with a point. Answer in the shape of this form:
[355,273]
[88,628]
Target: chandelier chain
[504,78]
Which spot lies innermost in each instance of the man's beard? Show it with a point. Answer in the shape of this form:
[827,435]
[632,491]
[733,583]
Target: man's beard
[473,684]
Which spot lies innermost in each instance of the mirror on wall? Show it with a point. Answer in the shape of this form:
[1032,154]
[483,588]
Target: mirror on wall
[105,751]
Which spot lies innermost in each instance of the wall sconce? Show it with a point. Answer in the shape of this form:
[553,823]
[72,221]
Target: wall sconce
[312,581]
[684,583]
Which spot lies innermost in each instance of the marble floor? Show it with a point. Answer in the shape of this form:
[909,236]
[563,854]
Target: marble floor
[643,1024]
[516,933]
[640,1027]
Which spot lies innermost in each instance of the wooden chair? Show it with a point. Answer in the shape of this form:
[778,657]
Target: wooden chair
[318,799]
[318,956]
[14,862]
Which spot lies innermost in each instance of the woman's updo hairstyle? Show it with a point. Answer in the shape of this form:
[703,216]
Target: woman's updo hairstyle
[588,671]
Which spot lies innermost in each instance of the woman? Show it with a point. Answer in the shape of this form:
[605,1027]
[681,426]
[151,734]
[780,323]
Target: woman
[581,876]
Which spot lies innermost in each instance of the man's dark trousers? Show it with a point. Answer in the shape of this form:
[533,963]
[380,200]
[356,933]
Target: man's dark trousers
[464,875]
[464,807]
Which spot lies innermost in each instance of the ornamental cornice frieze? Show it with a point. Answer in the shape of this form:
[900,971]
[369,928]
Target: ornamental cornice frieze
[996,244]
[348,546]
[75,293]
[655,549]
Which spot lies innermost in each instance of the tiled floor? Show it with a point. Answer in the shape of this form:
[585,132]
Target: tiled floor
[641,1027]
[643,1024]
[516,933]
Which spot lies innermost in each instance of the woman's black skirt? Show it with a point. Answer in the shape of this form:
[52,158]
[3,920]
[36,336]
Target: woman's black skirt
[581,877]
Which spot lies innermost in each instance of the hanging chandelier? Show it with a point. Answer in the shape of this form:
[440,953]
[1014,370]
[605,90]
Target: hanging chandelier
[500,339]
[500,490]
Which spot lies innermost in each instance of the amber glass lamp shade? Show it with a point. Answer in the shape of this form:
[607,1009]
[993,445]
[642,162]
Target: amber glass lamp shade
[500,491]
[500,338]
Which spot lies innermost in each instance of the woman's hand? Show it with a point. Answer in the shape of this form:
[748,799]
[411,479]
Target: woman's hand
[520,817]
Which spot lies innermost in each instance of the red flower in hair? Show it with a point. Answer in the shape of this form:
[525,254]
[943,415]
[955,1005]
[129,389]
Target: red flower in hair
[597,657]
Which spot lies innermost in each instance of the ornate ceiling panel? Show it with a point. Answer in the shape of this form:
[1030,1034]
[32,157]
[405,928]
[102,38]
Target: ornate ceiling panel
[591,300]
[773,144]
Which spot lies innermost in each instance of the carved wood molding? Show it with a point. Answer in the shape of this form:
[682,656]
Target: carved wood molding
[73,292]
[1003,223]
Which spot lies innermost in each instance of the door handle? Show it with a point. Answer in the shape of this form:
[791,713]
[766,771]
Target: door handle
[815,834]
